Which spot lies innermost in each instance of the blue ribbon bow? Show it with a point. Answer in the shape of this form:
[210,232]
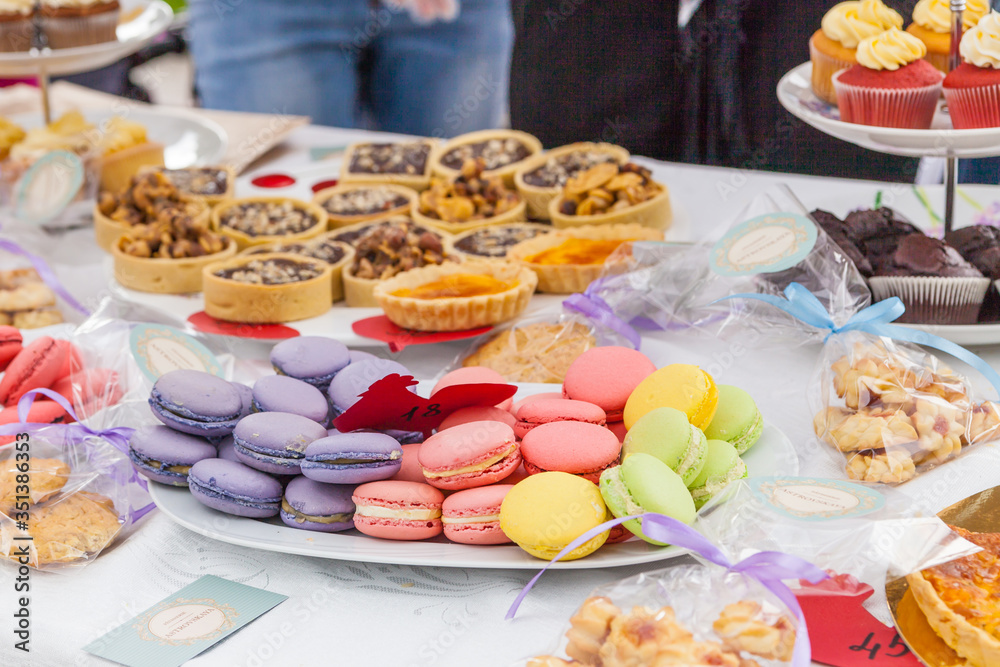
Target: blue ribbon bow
[803,305]
[770,568]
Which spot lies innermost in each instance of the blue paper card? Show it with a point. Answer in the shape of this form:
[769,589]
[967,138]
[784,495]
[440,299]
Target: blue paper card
[184,624]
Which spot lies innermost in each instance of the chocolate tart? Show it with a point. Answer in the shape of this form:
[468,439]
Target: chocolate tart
[541,178]
[351,233]
[208,184]
[406,163]
[108,231]
[456,297]
[655,212]
[351,203]
[503,151]
[274,287]
[565,273]
[118,168]
[324,247]
[163,275]
[493,243]
[287,220]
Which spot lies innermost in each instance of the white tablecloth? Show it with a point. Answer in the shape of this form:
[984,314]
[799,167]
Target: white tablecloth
[358,614]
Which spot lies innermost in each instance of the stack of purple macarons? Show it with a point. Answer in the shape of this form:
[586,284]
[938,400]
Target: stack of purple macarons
[270,449]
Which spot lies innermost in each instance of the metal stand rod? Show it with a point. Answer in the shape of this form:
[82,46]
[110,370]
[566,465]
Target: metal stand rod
[950,181]
[43,84]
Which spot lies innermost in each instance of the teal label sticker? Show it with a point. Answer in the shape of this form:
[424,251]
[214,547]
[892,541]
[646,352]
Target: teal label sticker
[184,624]
[48,187]
[159,349]
[812,499]
[766,244]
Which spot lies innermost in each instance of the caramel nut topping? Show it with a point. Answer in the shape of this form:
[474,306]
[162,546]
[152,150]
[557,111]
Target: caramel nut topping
[607,187]
[388,249]
[468,197]
[557,170]
[267,218]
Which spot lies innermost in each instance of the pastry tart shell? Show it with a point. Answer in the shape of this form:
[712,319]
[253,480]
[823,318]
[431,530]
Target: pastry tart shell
[538,198]
[235,301]
[516,214]
[162,275]
[977,646]
[571,278]
[456,313]
[108,231]
[212,200]
[336,221]
[656,213]
[245,240]
[418,182]
[529,141]
[118,168]
[337,268]
[468,256]
[360,292]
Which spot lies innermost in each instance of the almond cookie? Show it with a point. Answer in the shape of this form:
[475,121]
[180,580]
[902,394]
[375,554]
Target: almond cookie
[872,430]
[589,627]
[984,421]
[23,289]
[46,478]
[940,427]
[73,529]
[742,627]
[891,467]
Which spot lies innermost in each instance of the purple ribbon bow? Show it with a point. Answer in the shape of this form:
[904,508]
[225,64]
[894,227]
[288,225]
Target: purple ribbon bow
[47,275]
[591,305]
[770,568]
[118,437]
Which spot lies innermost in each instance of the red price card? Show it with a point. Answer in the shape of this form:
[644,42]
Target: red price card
[841,630]
[389,404]
[380,328]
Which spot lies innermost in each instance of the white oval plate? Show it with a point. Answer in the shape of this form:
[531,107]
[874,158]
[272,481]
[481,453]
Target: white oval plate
[188,139]
[132,36]
[796,95]
[773,454]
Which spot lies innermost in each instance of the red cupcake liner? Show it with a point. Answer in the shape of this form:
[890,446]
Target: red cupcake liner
[909,108]
[972,108]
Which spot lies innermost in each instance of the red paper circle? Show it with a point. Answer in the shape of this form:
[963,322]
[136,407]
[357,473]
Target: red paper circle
[273,181]
[203,322]
[323,185]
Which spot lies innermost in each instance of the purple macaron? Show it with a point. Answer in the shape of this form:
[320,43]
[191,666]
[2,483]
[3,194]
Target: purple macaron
[280,393]
[234,488]
[246,398]
[196,402]
[346,388]
[165,455]
[312,505]
[361,355]
[227,449]
[274,442]
[312,359]
[352,458]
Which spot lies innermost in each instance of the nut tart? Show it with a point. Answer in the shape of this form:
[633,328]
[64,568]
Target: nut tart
[567,261]
[149,199]
[612,194]
[494,242]
[208,184]
[455,297]
[267,288]
[502,152]
[324,248]
[469,201]
[541,178]
[351,203]
[125,149]
[352,233]
[259,220]
[961,600]
[143,261]
[385,249]
[406,163]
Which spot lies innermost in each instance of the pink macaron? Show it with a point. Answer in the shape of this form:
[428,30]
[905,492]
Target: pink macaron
[410,471]
[546,410]
[469,455]
[90,390]
[578,448]
[10,344]
[41,412]
[37,365]
[73,362]
[477,414]
[606,377]
[534,397]
[397,510]
[473,375]
[472,516]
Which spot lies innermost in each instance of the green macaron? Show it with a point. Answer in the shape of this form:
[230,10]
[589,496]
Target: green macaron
[737,419]
[644,483]
[667,434]
[722,466]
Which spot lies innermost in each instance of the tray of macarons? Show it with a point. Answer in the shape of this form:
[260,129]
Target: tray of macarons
[874,84]
[503,484]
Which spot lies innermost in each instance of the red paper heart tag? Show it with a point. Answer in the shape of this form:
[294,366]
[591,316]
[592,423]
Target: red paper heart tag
[842,632]
[389,404]
[205,323]
[380,328]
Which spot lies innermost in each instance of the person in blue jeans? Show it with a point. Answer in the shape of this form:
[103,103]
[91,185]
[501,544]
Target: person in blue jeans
[423,67]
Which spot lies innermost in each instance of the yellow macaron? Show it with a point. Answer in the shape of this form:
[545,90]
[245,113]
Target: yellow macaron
[680,386]
[547,511]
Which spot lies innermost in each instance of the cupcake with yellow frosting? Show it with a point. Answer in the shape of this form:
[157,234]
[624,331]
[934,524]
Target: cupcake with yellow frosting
[891,86]
[932,25]
[833,46]
[973,88]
